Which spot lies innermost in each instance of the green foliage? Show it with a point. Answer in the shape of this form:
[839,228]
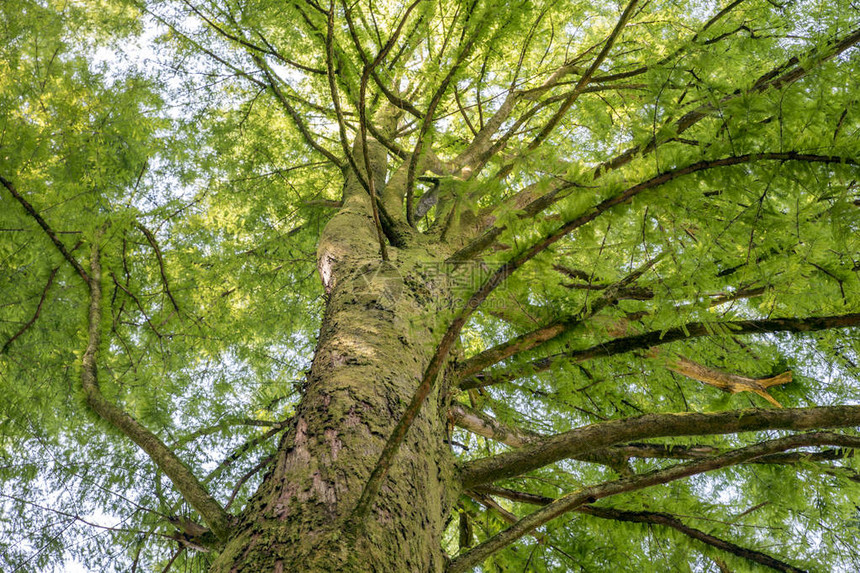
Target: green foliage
[142,126]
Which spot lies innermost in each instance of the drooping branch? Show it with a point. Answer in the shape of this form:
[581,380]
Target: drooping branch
[673,522]
[36,314]
[590,494]
[649,517]
[180,474]
[660,337]
[602,435]
[272,85]
[150,237]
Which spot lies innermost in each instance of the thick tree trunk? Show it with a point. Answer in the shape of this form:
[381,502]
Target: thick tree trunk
[376,338]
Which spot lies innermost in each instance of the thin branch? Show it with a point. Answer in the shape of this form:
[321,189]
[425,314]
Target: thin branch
[465,52]
[770,80]
[362,114]
[590,494]
[36,314]
[541,335]
[650,517]
[45,227]
[671,521]
[248,475]
[586,77]
[154,244]
[242,450]
[489,236]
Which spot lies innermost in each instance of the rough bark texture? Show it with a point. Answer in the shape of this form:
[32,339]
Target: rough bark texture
[377,335]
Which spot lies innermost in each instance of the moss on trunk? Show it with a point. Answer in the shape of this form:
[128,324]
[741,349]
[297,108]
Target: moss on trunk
[378,333]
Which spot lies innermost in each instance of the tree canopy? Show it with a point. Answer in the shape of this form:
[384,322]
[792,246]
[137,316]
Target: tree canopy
[645,214]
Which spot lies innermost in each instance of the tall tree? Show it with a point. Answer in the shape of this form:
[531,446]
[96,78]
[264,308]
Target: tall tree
[470,285]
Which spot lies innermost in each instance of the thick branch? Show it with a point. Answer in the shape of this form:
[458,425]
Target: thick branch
[660,337]
[489,427]
[596,436]
[590,494]
[185,481]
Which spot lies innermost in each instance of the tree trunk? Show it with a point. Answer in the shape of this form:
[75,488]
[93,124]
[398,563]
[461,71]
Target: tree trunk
[377,336]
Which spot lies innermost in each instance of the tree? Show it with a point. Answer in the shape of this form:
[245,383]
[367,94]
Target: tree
[429,286]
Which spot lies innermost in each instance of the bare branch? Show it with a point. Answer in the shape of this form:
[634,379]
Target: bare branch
[487,426]
[727,381]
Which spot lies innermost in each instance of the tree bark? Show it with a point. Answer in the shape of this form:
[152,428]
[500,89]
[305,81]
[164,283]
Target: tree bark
[377,336]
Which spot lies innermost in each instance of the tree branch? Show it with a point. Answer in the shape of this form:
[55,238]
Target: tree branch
[45,227]
[537,337]
[597,436]
[484,425]
[660,337]
[669,520]
[650,517]
[728,382]
[586,77]
[152,242]
[36,314]
[186,482]
[590,494]
[771,79]
[271,83]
